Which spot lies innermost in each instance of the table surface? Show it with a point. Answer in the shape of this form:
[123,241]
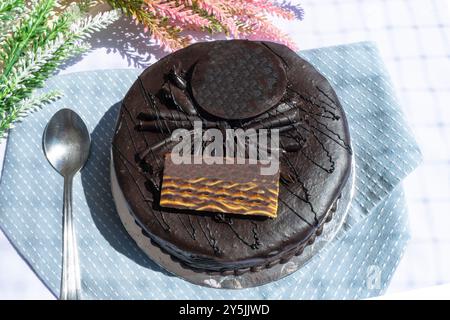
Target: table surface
[414,40]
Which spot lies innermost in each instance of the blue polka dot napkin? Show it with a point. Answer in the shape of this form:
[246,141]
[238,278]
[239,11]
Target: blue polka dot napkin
[358,264]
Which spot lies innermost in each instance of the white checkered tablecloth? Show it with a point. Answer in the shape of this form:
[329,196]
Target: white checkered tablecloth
[414,40]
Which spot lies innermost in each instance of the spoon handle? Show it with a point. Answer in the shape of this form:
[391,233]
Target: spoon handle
[70,278]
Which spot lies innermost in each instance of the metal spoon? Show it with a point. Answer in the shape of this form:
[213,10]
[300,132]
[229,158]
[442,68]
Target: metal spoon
[66,144]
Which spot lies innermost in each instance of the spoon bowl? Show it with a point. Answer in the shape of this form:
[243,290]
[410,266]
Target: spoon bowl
[66,142]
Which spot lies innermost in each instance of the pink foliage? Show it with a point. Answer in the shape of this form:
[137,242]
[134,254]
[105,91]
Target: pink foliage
[178,14]
[245,19]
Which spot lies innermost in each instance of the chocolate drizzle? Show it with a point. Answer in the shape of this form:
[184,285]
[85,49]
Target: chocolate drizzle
[326,113]
[189,229]
[150,101]
[222,218]
[161,222]
[209,237]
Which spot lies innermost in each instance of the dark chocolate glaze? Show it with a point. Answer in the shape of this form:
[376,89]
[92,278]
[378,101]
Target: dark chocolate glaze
[316,171]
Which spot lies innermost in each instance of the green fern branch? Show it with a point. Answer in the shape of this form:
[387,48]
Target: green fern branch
[28,30]
[27,106]
[35,45]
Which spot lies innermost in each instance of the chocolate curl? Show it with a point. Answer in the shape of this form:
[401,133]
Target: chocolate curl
[170,125]
[281,120]
[166,115]
[180,99]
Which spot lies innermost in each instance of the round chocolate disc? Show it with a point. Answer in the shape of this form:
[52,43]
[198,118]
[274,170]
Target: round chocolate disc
[238,80]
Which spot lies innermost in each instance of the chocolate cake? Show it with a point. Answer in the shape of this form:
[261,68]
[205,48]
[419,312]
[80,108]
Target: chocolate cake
[234,84]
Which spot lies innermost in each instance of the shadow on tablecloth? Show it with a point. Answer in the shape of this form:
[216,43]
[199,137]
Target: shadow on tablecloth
[101,205]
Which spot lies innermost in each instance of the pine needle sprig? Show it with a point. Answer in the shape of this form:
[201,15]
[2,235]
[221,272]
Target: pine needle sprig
[9,13]
[33,50]
[25,107]
[166,20]
[20,40]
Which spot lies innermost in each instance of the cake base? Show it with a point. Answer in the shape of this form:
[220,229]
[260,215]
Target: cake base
[246,280]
